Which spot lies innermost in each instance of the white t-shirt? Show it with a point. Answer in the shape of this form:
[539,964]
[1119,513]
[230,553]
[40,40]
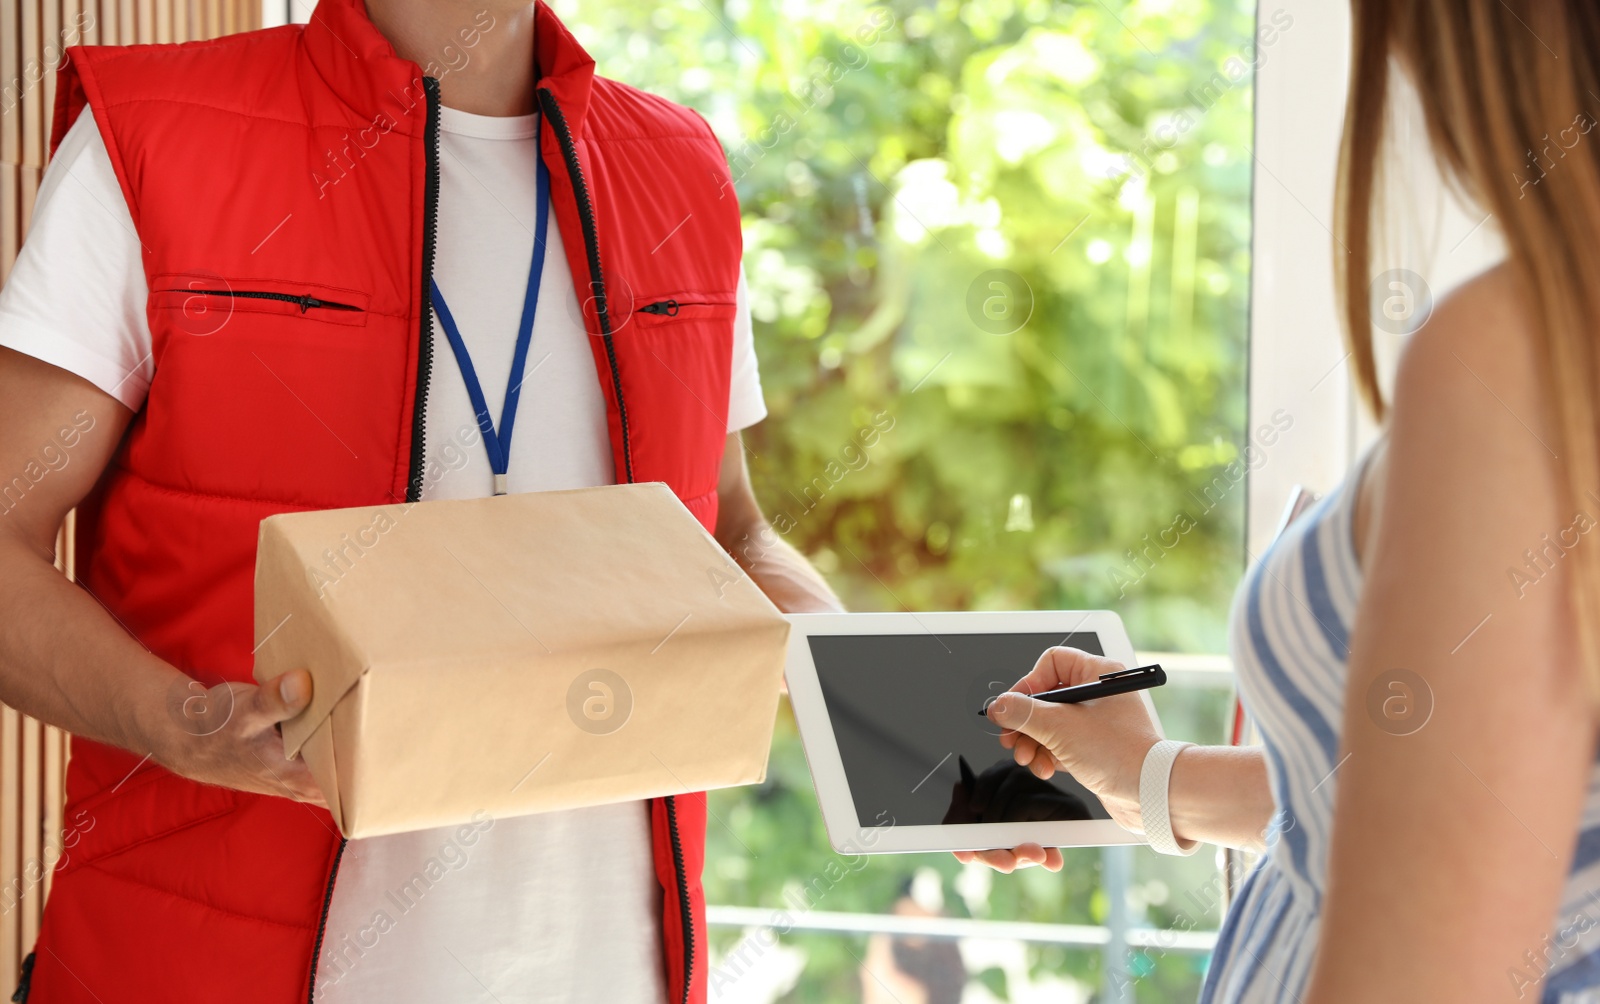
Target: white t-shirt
[558,906]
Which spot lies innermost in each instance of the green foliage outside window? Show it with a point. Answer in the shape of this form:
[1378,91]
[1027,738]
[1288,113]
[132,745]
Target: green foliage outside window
[998,256]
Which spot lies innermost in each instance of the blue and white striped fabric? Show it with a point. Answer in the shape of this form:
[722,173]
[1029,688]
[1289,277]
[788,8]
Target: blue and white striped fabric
[1289,635]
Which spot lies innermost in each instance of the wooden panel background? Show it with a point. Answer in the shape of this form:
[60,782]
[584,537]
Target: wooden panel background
[33,37]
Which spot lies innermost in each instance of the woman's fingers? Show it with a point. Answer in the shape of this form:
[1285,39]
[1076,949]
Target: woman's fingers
[1041,761]
[1022,856]
[1025,751]
[1021,714]
[1033,748]
[1002,861]
[1065,667]
[1046,672]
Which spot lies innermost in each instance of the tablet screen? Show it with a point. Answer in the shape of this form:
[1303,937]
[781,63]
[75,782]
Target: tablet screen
[904,709]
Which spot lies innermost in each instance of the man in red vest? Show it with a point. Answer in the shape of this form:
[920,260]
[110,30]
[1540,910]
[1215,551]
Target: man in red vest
[329,266]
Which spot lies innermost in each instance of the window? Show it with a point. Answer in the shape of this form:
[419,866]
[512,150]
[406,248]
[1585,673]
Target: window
[999,260]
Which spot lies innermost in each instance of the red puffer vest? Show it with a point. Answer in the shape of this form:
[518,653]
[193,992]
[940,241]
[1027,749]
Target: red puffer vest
[278,179]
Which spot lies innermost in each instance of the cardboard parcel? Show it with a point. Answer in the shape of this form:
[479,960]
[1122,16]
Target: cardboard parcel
[517,654]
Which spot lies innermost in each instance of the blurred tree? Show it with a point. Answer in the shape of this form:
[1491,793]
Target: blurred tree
[998,255]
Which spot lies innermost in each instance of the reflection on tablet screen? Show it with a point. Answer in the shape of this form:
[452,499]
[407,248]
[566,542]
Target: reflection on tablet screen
[915,750]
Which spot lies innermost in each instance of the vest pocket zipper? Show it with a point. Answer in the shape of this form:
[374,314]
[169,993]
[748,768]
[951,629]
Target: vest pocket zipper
[305,303]
[670,308]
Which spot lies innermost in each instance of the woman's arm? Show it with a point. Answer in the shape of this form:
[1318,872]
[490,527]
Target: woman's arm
[1451,844]
[1217,794]
[1220,795]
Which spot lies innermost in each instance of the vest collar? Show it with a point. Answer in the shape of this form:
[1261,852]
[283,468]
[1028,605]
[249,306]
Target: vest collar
[363,70]
[568,69]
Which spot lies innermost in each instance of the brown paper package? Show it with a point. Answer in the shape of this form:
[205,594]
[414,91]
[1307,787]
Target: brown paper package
[517,654]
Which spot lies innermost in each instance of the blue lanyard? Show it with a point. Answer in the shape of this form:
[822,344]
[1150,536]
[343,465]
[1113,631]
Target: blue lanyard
[499,443]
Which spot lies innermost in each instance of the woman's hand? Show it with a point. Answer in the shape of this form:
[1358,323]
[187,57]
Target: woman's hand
[1101,743]
[1021,856]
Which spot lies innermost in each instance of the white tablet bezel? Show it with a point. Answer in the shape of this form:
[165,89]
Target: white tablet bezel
[850,835]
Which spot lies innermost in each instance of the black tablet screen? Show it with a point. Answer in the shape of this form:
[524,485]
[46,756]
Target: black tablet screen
[915,750]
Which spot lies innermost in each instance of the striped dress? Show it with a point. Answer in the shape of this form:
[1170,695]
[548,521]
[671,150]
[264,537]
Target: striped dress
[1289,631]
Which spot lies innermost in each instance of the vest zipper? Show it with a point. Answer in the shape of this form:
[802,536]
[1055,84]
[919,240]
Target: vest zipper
[670,308]
[419,416]
[306,302]
[683,895]
[430,219]
[322,922]
[591,243]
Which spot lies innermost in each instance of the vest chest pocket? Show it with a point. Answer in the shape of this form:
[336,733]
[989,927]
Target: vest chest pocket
[202,303]
[678,309]
[680,347]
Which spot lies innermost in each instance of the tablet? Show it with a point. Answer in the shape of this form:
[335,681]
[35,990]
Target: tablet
[887,705]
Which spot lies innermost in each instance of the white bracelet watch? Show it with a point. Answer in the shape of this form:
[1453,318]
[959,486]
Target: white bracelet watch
[1154,779]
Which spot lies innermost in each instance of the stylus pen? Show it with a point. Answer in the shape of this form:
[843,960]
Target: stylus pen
[1125,682]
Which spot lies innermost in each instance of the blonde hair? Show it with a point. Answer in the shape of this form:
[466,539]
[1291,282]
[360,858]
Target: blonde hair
[1510,96]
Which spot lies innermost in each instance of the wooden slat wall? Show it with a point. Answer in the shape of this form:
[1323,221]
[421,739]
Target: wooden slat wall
[33,34]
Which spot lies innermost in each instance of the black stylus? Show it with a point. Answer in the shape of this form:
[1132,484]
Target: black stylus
[1125,682]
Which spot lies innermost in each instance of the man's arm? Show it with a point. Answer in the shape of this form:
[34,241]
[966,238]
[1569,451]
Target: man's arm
[67,661]
[782,572]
